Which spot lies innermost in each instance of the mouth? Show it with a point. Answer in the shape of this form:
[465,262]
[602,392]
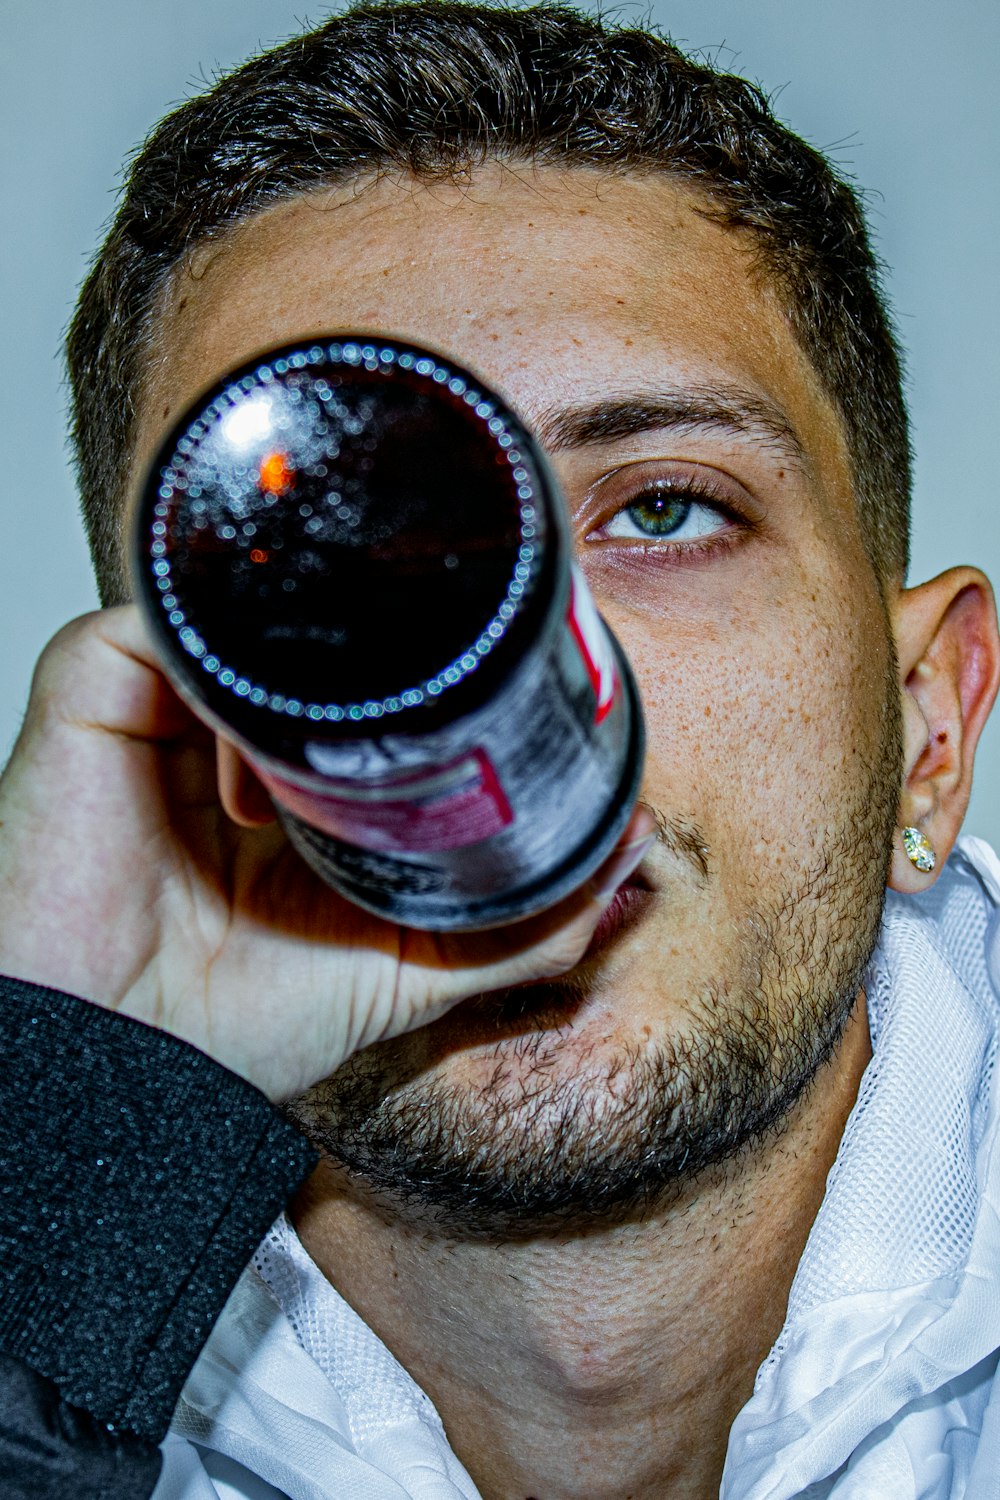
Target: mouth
[528,1011]
[627,907]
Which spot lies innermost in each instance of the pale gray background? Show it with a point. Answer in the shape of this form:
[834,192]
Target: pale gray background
[903,90]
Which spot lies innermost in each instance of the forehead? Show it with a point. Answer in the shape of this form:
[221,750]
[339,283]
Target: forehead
[556,286]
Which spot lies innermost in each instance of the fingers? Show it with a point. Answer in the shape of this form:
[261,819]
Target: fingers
[101,672]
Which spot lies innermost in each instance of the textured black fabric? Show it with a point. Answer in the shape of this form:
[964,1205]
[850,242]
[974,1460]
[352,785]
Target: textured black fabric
[52,1451]
[137,1177]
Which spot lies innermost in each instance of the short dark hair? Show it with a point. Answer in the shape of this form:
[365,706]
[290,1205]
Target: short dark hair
[433,88]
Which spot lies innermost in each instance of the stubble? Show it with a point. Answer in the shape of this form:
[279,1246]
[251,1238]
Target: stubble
[541,1146]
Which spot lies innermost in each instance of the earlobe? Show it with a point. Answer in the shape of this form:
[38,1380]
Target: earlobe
[949,668]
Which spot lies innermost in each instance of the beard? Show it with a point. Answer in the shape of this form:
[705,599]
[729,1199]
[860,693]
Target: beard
[563,1134]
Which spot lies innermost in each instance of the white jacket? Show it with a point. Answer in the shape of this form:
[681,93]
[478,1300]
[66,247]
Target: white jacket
[882,1384]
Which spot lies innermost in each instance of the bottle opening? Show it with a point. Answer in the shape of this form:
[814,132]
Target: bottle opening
[343,531]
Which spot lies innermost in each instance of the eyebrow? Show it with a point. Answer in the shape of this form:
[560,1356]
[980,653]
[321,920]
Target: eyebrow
[726,409]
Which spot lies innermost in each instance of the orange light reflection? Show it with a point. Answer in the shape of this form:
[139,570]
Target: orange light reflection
[275,475]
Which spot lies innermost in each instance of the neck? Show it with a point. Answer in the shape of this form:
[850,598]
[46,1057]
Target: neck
[578,1366]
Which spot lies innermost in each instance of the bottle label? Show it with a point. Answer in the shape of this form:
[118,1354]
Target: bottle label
[591,636]
[455,804]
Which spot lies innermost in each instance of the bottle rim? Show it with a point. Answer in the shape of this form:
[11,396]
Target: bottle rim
[177,456]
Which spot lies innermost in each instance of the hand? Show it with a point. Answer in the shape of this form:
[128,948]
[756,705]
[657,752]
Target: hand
[123,881]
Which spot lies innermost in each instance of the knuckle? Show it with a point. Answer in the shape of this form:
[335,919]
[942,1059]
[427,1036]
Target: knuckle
[68,640]
[61,659]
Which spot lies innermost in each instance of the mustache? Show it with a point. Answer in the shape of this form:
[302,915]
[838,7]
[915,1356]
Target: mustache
[682,838]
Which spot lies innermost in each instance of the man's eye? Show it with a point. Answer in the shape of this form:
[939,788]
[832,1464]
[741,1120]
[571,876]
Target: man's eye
[666,513]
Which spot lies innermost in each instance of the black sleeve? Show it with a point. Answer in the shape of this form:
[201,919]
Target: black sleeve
[137,1177]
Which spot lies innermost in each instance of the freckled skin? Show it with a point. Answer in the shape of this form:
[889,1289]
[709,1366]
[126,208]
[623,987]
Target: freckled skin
[763,670]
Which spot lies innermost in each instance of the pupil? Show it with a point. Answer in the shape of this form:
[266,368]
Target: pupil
[658,515]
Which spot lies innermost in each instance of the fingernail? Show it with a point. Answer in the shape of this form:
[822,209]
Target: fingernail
[619,867]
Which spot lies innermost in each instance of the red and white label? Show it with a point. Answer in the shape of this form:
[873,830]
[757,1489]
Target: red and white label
[590,634]
[455,804]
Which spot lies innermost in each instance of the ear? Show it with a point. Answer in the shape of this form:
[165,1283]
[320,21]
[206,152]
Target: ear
[240,790]
[949,667]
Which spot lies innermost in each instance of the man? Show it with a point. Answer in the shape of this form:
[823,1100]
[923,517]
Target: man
[576,1180]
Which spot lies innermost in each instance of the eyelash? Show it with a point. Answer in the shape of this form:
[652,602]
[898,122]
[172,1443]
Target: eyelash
[689,491]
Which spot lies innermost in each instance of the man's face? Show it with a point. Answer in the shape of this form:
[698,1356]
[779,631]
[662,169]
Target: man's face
[633,335]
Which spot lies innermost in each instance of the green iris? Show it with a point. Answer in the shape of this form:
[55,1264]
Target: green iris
[659,514]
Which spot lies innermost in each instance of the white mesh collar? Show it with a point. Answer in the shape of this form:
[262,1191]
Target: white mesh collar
[879,1382]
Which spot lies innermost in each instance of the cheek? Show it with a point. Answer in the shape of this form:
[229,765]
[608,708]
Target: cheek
[762,730]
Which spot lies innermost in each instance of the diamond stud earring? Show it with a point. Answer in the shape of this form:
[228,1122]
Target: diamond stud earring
[919,850]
